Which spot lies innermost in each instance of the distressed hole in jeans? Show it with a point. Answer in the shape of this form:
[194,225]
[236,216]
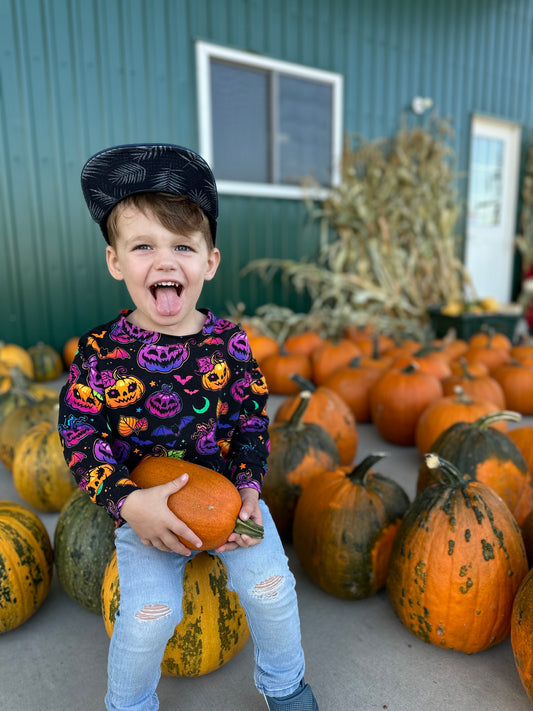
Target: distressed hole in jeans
[152,612]
[269,588]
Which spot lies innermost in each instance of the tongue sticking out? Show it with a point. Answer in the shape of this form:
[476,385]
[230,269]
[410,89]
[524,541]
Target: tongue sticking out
[167,300]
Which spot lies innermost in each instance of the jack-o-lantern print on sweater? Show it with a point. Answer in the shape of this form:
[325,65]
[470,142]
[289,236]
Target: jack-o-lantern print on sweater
[134,393]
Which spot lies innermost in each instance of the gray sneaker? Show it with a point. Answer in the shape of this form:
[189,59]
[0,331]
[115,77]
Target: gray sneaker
[302,699]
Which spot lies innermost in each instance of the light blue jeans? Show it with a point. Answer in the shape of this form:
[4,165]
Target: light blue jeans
[150,577]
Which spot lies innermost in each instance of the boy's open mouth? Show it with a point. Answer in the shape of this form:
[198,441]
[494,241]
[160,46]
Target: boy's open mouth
[167,296]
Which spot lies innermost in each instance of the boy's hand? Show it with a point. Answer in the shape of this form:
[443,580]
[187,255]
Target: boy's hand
[249,511]
[147,512]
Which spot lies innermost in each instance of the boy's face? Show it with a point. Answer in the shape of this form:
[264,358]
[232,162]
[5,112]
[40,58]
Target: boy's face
[164,272]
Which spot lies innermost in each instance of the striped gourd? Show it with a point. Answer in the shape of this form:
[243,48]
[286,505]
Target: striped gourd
[26,562]
[213,629]
[40,474]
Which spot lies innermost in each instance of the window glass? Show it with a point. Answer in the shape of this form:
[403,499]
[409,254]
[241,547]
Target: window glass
[304,130]
[239,99]
[485,187]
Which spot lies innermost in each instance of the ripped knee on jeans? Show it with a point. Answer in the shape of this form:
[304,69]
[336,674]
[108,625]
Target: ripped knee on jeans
[268,588]
[153,612]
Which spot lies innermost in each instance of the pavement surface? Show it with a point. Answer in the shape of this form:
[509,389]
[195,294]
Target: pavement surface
[359,656]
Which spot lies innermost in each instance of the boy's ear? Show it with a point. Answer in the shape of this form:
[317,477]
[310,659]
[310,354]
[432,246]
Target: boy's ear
[212,264]
[113,263]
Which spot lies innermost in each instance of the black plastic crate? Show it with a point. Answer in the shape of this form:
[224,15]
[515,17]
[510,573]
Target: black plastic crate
[467,324]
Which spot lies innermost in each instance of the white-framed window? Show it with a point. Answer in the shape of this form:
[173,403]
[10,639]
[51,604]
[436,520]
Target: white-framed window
[268,127]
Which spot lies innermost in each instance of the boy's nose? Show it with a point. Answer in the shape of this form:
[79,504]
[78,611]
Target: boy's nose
[165,259]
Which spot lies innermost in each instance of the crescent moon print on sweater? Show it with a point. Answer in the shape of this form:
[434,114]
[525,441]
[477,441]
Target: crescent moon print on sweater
[133,393]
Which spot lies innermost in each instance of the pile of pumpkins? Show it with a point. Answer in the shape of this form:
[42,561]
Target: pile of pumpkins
[454,561]
[214,627]
[459,546]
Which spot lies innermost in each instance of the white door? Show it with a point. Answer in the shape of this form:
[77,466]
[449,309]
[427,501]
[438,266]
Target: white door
[492,201]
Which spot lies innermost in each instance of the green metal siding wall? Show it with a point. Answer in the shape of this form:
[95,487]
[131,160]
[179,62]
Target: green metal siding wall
[78,75]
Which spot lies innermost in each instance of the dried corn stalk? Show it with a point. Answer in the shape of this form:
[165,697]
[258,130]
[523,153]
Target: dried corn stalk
[388,243]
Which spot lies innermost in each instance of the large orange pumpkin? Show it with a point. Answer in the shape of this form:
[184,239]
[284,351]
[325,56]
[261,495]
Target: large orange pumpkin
[344,525]
[209,503]
[456,564]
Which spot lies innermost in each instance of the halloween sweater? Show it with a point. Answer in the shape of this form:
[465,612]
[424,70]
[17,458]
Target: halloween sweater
[133,393]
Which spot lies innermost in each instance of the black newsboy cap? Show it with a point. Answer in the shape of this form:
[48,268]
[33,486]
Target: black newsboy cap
[117,172]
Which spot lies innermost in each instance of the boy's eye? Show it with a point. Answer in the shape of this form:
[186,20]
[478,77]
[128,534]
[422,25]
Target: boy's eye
[141,246]
[183,248]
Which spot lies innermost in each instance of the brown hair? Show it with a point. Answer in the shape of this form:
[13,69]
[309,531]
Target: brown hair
[175,212]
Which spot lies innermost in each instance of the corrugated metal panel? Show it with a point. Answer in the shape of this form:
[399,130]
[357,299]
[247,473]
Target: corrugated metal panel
[78,75]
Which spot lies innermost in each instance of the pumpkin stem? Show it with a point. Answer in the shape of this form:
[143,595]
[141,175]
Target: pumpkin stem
[249,528]
[485,421]
[454,476]
[375,347]
[19,380]
[360,471]
[411,368]
[303,402]
[464,368]
[302,382]
[426,350]
[461,396]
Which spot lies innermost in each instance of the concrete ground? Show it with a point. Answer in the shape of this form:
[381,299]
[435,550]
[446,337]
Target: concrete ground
[359,656]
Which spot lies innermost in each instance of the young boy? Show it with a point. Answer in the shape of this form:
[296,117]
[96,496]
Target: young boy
[169,379]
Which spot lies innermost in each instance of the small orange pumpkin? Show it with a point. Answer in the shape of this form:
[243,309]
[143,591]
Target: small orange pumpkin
[303,343]
[398,399]
[446,411]
[331,356]
[279,368]
[262,346]
[516,381]
[477,387]
[209,503]
[353,384]
[69,350]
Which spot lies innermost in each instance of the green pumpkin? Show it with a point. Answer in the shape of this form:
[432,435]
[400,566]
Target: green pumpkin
[83,545]
[47,362]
